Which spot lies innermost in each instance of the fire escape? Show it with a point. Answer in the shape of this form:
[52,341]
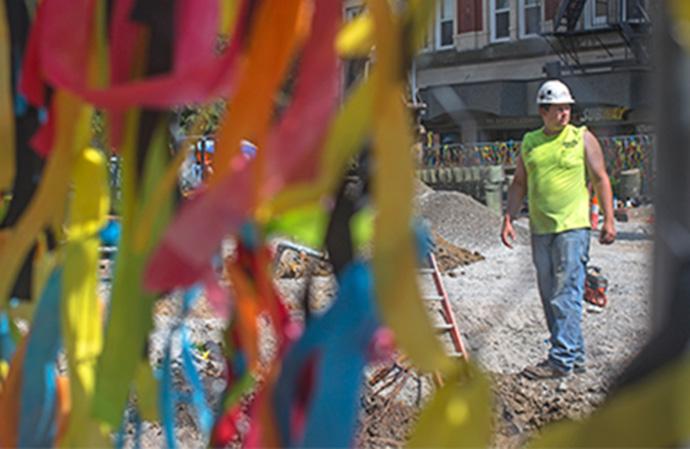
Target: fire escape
[628,28]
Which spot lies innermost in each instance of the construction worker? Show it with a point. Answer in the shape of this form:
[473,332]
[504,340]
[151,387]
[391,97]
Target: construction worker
[552,171]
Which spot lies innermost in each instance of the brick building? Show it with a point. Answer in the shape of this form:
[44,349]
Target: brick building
[485,59]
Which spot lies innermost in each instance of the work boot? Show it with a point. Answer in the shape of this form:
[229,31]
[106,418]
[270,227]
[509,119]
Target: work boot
[545,370]
[579,368]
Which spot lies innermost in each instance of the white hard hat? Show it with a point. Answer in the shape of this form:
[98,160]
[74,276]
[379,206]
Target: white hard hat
[554,92]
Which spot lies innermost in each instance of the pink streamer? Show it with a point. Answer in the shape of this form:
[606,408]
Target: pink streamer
[197,230]
[292,147]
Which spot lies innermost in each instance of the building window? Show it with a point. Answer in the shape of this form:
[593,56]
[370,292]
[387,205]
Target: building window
[530,17]
[634,10]
[599,11]
[500,20]
[445,24]
[352,12]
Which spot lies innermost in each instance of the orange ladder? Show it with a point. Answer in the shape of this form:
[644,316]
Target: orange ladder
[440,302]
[399,371]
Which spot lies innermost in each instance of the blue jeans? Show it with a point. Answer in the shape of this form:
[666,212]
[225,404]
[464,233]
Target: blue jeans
[561,263]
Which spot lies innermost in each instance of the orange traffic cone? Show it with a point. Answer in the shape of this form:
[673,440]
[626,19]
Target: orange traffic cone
[594,213]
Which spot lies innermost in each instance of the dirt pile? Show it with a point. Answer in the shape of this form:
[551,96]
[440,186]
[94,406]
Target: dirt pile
[523,406]
[296,265]
[421,189]
[384,423]
[463,221]
[449,256]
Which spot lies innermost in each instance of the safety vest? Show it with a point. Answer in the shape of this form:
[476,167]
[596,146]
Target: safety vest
[556,180]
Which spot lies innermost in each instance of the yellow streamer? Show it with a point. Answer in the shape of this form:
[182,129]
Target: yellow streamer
[7,142]
[356,39]
[228,15]
[459,415]
[131,307]
[420,16]
[81,310]
[679,10]
[655,412]
[146,388]
[394,248]
[165,188]
[73,121]
[157,202]
[345,138]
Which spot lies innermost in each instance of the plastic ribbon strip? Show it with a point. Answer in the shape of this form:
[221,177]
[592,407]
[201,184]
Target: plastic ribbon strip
[169,393]
[267,60]
[459,414]
[126,54]
[7,346]
[37,423]
[10,398]
[65,36]
[337,343]
[292,150]
[72,132]
[394,254]
[7,159]
[131,307]
[82,321]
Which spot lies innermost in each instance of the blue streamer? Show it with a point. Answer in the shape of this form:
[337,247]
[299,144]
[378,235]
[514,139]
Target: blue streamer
[423,239]
[119,442]
[341,336]
[38,391]
[20,103]
[121,433]
[137,430]
[169,395]
[198,398]
[7,345]
[249,234]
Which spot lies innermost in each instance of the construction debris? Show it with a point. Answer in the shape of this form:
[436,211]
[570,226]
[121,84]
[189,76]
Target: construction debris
[297,264]
[449,256]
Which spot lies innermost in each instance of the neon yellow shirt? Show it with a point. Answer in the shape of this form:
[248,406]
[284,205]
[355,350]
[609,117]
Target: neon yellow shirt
[556,180]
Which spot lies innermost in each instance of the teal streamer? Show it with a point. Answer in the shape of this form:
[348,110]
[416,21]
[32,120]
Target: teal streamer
[37,425]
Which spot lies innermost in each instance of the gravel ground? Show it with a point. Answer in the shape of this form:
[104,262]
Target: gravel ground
[500,315]
[463,221]
[496,304]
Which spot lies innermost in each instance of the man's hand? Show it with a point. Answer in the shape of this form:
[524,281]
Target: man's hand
[607,235]
[508,235]
[602,186]
[516,193]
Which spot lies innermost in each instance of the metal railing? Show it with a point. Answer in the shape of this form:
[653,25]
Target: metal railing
[620,152]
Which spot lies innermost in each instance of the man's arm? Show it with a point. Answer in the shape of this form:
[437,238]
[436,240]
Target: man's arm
[602,186]
[516,193]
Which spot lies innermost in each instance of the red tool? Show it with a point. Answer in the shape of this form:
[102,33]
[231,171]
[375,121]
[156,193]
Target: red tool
[595,287]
